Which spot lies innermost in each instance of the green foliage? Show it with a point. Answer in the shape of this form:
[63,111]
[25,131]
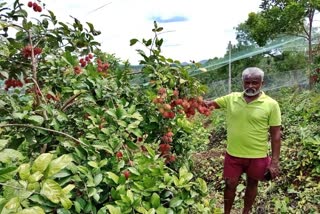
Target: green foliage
[78,137]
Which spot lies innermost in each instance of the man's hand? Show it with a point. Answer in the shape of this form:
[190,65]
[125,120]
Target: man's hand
[274,169]
[210,104]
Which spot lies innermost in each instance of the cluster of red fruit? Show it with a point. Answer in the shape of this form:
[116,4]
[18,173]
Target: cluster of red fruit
[35,6]
[187,105]
[165,148]
[102,67]
[12,83]
[84,61]
[27,51]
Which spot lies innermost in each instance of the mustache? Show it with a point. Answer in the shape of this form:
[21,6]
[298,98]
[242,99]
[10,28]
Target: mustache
[251,91]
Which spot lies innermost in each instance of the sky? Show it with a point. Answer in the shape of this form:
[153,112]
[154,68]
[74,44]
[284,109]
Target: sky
[194,30]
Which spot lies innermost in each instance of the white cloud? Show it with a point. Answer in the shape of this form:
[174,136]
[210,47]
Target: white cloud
[206,33]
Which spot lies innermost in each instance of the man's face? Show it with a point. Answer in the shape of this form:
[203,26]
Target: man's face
[252,85]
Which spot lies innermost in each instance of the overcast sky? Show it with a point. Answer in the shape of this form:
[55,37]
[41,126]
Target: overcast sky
[193,29]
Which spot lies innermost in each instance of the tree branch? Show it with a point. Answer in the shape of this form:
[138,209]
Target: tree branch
[45,129]
[69,101]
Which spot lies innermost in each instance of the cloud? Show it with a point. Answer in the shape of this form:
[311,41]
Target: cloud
[168,20]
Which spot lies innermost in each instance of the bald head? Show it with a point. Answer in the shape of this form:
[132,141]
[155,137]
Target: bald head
[252,71]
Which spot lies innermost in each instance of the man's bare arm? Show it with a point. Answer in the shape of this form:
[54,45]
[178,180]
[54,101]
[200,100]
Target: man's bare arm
[275,132]
[211,103]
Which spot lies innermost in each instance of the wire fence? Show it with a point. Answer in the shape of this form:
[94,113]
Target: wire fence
[272,81]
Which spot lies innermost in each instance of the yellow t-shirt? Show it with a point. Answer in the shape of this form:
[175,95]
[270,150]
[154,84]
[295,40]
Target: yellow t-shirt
[248,124]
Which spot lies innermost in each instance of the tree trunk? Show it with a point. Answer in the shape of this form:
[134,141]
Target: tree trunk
[310,56]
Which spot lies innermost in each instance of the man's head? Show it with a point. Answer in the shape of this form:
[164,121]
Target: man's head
[252,79]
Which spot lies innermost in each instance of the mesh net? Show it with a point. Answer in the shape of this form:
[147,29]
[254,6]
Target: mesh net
[273,81]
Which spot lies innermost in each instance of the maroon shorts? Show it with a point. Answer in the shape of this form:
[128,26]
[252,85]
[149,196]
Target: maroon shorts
[253,167]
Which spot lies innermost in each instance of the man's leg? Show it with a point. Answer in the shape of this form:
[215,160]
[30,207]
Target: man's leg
[230,193]
[250,194]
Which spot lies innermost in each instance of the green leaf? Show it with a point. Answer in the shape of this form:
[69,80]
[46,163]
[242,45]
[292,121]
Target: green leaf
[202,185]
[67,189]
[13,204]
[133,41]
[66,202]
[51,190]
[7,173]
[97,179]
[3,144]
[3,73]
[36,119]
[134,171]
[159,29]
[113,209]
[32,210]
[58,164]
[10,155]
[137,132]
[77,206]
[175,202]
[121,113]
[94,164]
[35,177]
[113,177]
[41,163]
[155,200]
[112,113]
[18,115]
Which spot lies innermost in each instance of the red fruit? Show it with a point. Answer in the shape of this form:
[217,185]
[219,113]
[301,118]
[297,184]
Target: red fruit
[30,4]
[162,91]
[173,104]
[169,134]
[37,51]
[176,93]
[77,69]
[90,56]
[87,58]
[140,139]
[166,114]
[83,64]
[172,158]
[49,96]
[126,174]
[119,155]
[130,163]
[166,139]
[172,114]
[35,6]
[179,101]
[185,104]
[39,9]
[143,148]
[167,107]
[164,148]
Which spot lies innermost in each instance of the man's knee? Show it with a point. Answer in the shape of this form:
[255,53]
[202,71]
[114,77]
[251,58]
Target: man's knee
[252,183]
[231,183]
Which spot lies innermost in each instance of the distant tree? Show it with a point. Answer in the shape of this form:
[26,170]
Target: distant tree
[283,17]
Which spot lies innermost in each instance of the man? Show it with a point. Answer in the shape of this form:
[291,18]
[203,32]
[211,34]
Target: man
[251,116]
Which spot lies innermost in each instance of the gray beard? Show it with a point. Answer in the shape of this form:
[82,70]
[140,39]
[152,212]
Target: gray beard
[251,92]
